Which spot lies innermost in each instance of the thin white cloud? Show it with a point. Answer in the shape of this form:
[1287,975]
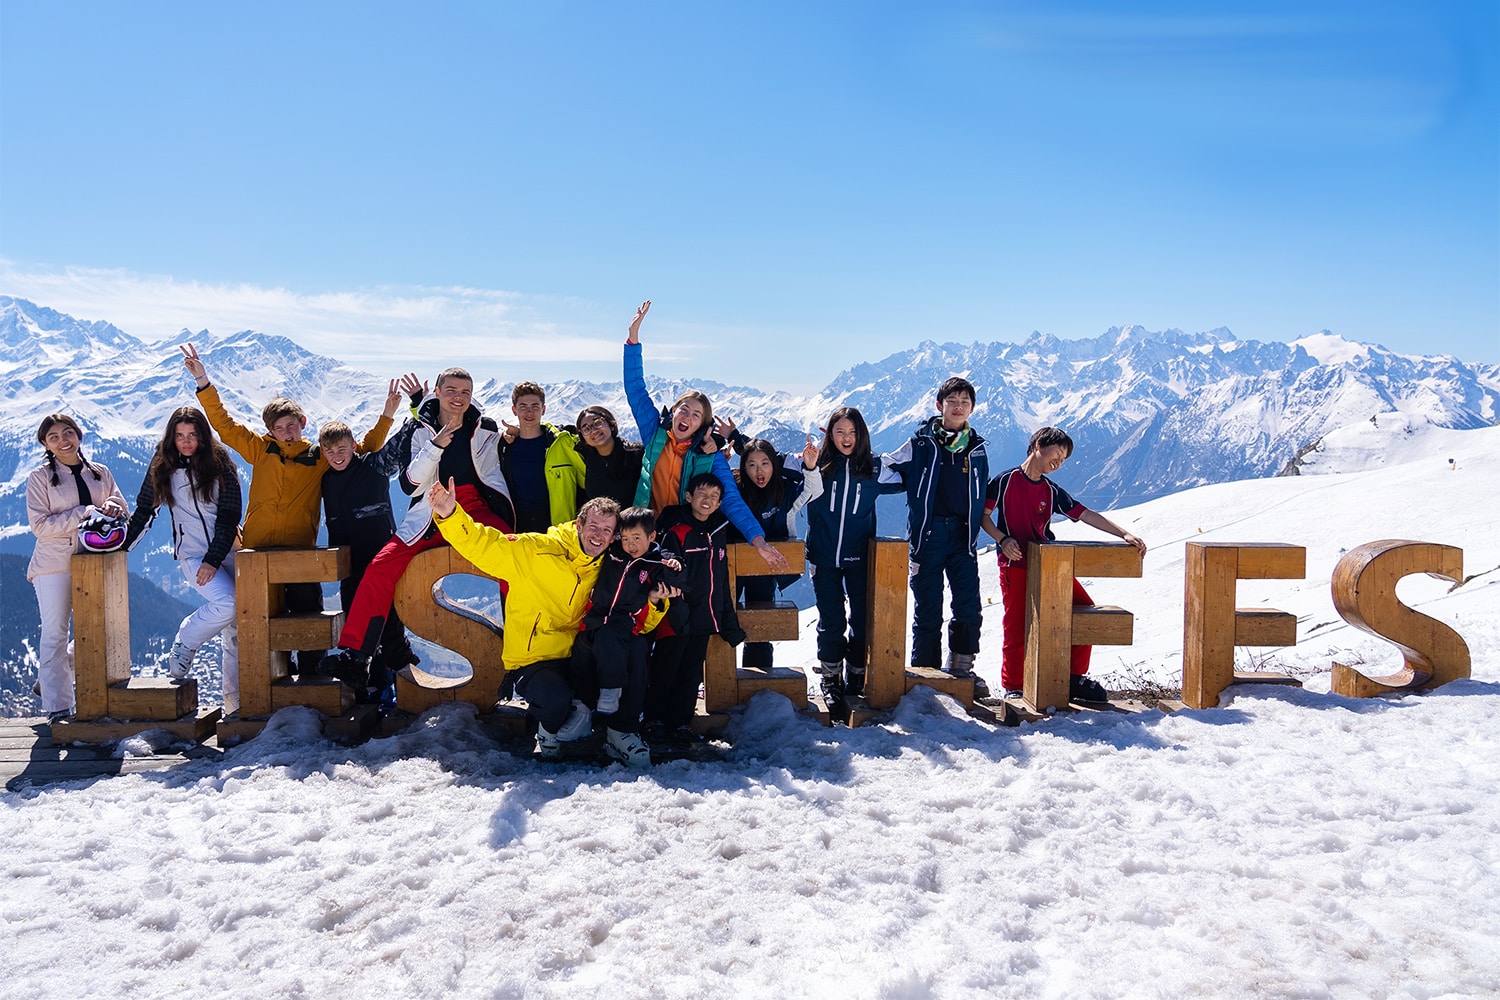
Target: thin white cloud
[368,325]
[388,329]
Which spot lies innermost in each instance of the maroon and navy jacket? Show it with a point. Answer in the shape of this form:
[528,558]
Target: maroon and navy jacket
[1023,509]
[623,591]
[703,549]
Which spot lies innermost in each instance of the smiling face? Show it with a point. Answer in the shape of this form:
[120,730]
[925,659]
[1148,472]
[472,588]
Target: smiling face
[705,500]
[636,541]
[596,531]
[62,440]
[185,439]
[687,419]
[758,468]
[597,433]
[454,396]
[288,429]
[528,411]
[843,435]
[339,454]
[1050,458]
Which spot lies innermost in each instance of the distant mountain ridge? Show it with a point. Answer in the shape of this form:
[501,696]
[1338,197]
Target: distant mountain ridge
[1150,412]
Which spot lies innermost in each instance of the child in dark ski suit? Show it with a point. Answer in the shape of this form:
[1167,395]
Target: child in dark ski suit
[696,534]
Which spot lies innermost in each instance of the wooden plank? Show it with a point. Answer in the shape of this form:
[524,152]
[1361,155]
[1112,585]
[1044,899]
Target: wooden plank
[301,565]
[1264,627]
[427,611]
[415,698]
[885,667]
[1271,561]
[770,624]
[1265,677]
[1208,622]
[355,726]
[792,684]
[961,688]
[153,698]
[1102,625]
[232,731]
[305,630]
[720,677]
[1111,559]
[55,751]
[255,602]
[328,695]
[197,727]
[1350,683]
[101,629]
[745,561]
[1049,625]
[51,772]
[1364,594]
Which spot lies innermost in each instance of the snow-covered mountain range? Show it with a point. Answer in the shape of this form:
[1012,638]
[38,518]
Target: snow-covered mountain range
[1151,412]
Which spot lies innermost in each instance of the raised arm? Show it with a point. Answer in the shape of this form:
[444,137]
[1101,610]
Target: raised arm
[234,434]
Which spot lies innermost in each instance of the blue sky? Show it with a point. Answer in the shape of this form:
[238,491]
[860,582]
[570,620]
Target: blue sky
[797,186]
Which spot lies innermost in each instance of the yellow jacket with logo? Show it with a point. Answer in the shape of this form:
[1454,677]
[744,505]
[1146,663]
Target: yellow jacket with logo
[286,480]
[550,577]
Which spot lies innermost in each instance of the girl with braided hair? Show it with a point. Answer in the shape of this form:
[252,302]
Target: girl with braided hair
[61,493]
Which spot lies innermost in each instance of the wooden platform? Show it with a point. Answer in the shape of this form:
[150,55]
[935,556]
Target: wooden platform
[29,755]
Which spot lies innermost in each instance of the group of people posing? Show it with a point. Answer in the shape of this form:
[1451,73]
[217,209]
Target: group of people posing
[612,555]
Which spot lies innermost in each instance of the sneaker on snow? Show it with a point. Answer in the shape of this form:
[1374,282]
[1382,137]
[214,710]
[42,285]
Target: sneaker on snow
[548,746]
[627,748]
[1082,687]
[180,660]
[1014,693]
[579,724]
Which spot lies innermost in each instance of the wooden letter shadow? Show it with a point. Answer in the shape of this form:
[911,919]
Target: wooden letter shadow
[1212,626]
[428,612]
[1364,592]
[1054,626]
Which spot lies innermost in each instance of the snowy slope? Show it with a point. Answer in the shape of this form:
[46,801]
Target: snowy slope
[1290,843]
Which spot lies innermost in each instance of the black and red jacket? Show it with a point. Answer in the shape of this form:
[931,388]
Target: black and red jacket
[623,590]
[708,600]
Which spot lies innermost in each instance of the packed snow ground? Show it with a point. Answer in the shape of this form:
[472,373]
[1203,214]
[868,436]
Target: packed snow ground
[1288,843]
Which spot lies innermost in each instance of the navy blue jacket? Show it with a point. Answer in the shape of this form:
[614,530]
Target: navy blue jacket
[841,521]
[915,465]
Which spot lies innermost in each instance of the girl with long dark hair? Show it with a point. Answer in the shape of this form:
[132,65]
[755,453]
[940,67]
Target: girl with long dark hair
[193,476]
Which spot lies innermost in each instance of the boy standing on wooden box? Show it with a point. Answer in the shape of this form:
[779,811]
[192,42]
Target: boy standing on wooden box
[944,468]
[357,510]
[286,479]
[1018,509]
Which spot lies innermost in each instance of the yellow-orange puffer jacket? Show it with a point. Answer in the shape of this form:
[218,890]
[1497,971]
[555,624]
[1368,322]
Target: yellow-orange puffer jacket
[550,580]
[286,480]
